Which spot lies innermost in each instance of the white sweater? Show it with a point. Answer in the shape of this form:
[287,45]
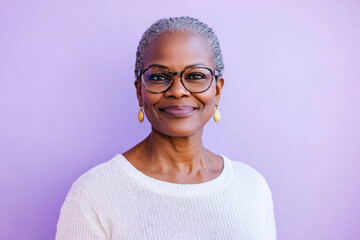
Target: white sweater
[116,201]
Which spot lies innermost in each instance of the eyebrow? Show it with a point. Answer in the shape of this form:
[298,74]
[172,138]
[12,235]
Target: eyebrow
[188,66]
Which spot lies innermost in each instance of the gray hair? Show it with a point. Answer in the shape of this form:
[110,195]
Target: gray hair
[179,24]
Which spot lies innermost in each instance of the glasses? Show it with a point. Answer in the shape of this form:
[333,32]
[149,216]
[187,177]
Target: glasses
[194,79]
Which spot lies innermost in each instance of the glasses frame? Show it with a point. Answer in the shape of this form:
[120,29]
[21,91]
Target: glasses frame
[173,74]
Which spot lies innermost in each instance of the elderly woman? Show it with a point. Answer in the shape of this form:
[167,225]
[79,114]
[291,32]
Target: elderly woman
[169,186]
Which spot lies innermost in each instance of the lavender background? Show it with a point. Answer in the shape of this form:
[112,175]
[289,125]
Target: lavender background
[290,105]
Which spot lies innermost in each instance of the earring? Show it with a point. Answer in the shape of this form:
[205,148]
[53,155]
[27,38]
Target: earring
[216,114]
[141,115]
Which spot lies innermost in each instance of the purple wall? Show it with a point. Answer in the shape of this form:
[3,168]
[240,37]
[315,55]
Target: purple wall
[290,105]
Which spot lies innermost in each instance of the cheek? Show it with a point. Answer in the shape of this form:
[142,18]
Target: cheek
[208,98]
[148,101]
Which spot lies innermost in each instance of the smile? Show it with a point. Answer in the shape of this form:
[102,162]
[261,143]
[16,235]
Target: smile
[178,110]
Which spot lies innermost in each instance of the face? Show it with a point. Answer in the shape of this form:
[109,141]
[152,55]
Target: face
[178,112]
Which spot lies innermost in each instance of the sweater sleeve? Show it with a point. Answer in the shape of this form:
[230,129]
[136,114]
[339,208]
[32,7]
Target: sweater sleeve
[271,228]
[78,221]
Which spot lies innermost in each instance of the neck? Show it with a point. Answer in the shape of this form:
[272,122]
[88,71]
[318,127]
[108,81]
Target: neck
[184,154]
[175,159]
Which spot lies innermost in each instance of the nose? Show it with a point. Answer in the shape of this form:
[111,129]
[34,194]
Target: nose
[177,89]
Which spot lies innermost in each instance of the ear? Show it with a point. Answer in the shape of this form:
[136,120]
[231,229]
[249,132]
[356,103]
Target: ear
[138,87]
[219,86]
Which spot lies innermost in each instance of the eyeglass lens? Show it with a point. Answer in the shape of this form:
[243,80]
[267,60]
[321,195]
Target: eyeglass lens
[194,79]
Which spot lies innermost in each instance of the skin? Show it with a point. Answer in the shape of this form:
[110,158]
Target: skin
[174,151]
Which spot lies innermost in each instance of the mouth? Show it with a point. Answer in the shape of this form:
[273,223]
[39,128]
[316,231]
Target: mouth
[178,110]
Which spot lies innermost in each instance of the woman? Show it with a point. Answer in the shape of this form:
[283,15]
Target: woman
[169,186]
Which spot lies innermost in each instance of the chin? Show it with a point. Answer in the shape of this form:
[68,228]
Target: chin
[180,127]
[181,134]
[178,131]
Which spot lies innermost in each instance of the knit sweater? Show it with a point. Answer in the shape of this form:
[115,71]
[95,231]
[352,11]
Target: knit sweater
[116,201]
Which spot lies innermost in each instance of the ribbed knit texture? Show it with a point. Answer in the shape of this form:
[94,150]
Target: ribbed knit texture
[116,201]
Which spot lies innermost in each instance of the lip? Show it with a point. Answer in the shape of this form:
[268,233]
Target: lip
[178,110]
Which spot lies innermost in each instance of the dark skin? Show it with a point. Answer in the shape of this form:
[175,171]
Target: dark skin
[174,152]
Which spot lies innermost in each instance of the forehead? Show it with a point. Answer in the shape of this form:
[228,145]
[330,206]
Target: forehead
[176,50]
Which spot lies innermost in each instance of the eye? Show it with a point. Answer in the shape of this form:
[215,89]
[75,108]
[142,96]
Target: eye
[157,77]
[195,76]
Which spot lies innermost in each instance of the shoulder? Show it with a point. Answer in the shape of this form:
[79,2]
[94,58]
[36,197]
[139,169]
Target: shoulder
[247,176]
[96,180]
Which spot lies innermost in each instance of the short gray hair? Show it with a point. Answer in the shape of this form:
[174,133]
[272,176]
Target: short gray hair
[179,24]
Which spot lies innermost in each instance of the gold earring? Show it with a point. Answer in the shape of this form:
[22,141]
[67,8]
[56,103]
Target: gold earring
[216,115]
[141,115]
